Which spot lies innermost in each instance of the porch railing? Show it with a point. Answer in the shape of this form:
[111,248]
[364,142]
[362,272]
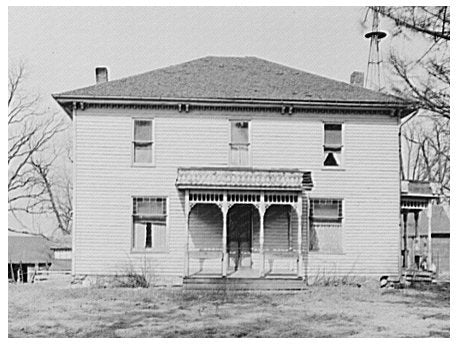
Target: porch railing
[271,256]
[202,255]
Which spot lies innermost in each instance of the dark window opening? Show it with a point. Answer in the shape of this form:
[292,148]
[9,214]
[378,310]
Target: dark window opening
[149,239]
[330,160]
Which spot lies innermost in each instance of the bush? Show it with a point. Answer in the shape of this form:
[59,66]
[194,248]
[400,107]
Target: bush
[134,280]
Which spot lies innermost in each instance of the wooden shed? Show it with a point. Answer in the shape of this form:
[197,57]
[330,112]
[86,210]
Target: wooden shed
[27,254]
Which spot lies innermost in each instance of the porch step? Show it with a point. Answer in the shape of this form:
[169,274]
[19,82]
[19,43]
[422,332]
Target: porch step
[218,283]
[418,276]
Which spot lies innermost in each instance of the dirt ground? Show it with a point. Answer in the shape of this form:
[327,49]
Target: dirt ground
[338,311]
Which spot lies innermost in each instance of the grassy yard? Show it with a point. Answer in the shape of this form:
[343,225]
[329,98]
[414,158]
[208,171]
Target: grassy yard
[341,311]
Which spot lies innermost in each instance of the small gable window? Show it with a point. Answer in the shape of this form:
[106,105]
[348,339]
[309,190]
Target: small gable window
[143,142]
[149,223]
[332,144]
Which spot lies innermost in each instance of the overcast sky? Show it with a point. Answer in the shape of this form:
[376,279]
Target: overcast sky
[61,45]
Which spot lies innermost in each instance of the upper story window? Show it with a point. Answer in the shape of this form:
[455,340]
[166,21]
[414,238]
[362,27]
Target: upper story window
[332,145]
[143,142]
[149,223]
[240,143]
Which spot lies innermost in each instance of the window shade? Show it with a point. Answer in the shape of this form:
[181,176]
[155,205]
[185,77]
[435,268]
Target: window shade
[239,133]
[332,134]
[143,131]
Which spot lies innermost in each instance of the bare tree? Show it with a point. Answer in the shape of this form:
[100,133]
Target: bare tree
[424,76]
[426,153]
[32,187]
[56,192]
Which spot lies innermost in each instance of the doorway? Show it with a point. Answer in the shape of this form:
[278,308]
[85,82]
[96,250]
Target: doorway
[240,224]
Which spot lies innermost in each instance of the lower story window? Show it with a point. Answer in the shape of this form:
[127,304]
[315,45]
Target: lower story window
[326,225]
[149,223]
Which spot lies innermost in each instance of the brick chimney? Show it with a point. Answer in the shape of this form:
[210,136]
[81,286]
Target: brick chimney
[101,75]
[357,79]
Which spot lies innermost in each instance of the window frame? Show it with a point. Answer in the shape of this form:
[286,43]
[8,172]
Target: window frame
[339,221]
[153,143]
[146,250]
[341,164]
[249,144]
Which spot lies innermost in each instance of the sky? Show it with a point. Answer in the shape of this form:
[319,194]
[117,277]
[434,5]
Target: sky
[61,46]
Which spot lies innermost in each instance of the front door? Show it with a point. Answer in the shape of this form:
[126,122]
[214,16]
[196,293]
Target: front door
[239,236]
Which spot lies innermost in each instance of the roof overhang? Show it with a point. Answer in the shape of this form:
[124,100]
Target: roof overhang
[400,109]
[243,179]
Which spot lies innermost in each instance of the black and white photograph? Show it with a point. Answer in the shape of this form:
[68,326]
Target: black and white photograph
[276,171]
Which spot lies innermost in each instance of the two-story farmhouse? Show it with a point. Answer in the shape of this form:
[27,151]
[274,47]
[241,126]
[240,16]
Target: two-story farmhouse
[235,167]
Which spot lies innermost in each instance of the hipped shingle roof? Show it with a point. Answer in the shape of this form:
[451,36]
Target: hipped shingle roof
[237,78]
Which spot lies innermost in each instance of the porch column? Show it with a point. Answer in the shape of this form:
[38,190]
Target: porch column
[299,237]
[416,242]
[262,210]
[186,252]
[405,257]
[224,209]
[430,216]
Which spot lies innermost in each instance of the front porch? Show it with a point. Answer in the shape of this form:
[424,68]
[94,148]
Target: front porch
[244,223]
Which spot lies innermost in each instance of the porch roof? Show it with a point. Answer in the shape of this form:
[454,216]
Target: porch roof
[244,179]
[418,189]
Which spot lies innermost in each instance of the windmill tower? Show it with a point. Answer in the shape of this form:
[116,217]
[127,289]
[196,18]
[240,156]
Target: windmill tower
[374,64]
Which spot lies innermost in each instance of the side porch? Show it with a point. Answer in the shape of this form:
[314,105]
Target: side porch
[416,247]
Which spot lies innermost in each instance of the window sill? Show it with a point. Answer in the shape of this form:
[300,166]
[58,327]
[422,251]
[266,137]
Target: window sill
[143,165]
[149,251]
[330,168]
[318,253]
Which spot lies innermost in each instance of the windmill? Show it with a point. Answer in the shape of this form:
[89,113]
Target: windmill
[374,64]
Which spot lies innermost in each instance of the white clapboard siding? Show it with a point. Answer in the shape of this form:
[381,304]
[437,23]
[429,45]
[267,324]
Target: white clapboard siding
[106,181]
